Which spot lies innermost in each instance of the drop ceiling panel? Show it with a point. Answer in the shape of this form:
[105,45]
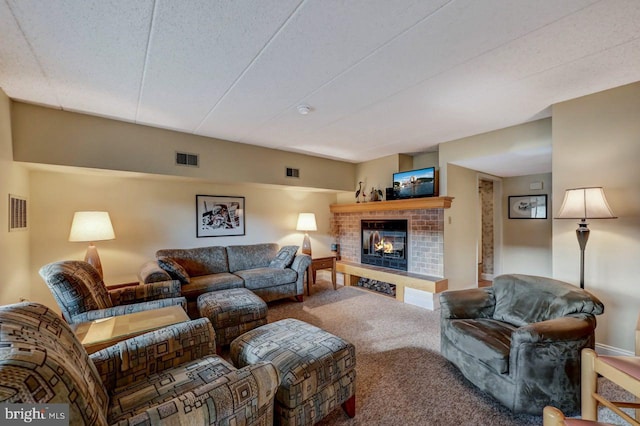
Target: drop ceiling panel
[196,53]
[20,74]
[92,51]
[323,39]
[455,35]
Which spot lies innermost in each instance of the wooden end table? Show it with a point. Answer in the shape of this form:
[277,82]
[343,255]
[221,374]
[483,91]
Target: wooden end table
[101,333]
[328,262]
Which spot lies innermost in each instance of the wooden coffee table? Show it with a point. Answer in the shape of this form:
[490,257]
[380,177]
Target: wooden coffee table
[101,333]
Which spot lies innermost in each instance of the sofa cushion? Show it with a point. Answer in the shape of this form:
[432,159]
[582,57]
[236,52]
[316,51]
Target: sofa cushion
[199,261]
[487,340]
[251,256]
[284,258]
[526,299]
[266,277]
[174,269]
[207,283]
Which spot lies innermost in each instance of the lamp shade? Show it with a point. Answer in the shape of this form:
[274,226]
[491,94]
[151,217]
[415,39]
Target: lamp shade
[306,222]
[585,203]
[91,226]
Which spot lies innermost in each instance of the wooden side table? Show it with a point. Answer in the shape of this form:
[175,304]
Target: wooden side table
[101,333]
[317,263]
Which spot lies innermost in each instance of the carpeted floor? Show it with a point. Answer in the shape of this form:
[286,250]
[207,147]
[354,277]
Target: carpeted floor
[401,377]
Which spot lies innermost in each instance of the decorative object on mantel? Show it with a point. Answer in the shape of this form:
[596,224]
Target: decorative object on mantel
[358,192]
[306,222]
[89,227]
[219,216]
[584,203]
[376,194]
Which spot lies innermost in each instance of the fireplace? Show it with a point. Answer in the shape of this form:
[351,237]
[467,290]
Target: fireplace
[384,243]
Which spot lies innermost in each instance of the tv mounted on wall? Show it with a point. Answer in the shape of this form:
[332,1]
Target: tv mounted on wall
[414,183]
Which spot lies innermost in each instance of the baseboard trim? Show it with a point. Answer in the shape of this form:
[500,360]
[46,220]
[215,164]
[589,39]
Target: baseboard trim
[602,349]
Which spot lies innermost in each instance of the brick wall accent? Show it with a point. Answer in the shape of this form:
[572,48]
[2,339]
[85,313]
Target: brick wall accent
[426,237]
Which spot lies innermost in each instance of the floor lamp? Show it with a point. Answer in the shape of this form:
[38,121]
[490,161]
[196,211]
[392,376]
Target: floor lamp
[306,222]
[90,227]
[583,204]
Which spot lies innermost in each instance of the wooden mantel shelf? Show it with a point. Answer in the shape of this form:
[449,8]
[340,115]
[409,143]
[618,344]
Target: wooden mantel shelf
[408,204]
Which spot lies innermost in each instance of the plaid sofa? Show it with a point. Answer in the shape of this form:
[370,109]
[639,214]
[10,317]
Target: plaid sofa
[169,376]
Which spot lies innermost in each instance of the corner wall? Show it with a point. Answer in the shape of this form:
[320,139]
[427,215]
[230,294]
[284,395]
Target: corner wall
[527,243]
[14,246]
[596,142]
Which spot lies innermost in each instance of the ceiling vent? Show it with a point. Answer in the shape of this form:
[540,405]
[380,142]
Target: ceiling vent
[186,159]
[291,172]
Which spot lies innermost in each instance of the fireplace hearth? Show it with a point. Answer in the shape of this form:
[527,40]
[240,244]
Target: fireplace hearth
[384,243]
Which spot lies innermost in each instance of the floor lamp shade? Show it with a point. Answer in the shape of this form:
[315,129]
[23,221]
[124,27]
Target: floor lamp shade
[584,203]
[306,222]
[90,226]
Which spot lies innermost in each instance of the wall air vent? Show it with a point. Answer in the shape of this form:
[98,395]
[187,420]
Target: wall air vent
[291,172]
[186,159]
[17,213]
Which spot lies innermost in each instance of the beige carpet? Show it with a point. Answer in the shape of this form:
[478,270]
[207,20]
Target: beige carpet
[401,377]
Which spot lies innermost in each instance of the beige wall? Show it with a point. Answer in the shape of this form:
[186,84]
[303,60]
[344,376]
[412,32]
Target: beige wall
[461,230]
[596,142]
[149,213]
[49,136]
[526,242]
[14,246]
[427,159]
[531,139]
[376,173]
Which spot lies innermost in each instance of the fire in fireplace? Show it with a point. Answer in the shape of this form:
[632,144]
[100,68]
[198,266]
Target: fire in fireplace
[384,243]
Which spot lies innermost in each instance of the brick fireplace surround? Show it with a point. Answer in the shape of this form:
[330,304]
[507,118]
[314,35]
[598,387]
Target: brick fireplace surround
[425,230]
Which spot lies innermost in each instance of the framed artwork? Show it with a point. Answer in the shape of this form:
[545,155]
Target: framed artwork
[528,207]
[219,216]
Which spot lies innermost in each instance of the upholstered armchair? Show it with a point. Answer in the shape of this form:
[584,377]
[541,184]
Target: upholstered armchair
[520,339]
[168,376]
[82,295]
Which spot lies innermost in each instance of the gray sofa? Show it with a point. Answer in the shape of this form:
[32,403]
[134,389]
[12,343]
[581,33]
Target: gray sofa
[520,339]
[269,271]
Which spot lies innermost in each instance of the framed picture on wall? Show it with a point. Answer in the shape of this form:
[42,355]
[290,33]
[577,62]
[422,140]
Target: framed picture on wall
[528,206]
[219,216]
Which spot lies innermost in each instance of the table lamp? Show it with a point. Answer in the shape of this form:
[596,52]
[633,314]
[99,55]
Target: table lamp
[584,203]
[90,227]
[306,222]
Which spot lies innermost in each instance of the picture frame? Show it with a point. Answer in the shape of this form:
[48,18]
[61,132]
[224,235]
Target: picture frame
[219,216]
[528,206]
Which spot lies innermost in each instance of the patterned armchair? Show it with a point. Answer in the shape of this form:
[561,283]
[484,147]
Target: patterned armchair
[169,376]
[82,295]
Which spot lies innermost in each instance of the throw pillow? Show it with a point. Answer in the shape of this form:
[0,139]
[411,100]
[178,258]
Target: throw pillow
[284,258]
[175,270]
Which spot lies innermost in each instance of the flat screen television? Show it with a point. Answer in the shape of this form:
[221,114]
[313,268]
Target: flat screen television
[414,183]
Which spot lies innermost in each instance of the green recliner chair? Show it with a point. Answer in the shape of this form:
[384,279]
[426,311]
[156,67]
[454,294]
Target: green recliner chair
[520,339]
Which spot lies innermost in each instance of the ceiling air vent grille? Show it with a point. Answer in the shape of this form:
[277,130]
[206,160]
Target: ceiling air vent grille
[186,159]
[291,172]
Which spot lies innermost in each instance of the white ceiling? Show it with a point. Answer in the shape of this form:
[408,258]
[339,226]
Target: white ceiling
[381,76]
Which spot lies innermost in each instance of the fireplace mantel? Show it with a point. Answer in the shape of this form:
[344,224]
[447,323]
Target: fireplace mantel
[408,204]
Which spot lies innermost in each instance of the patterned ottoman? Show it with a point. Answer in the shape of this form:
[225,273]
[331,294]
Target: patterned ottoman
[232,312]
[316,367]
